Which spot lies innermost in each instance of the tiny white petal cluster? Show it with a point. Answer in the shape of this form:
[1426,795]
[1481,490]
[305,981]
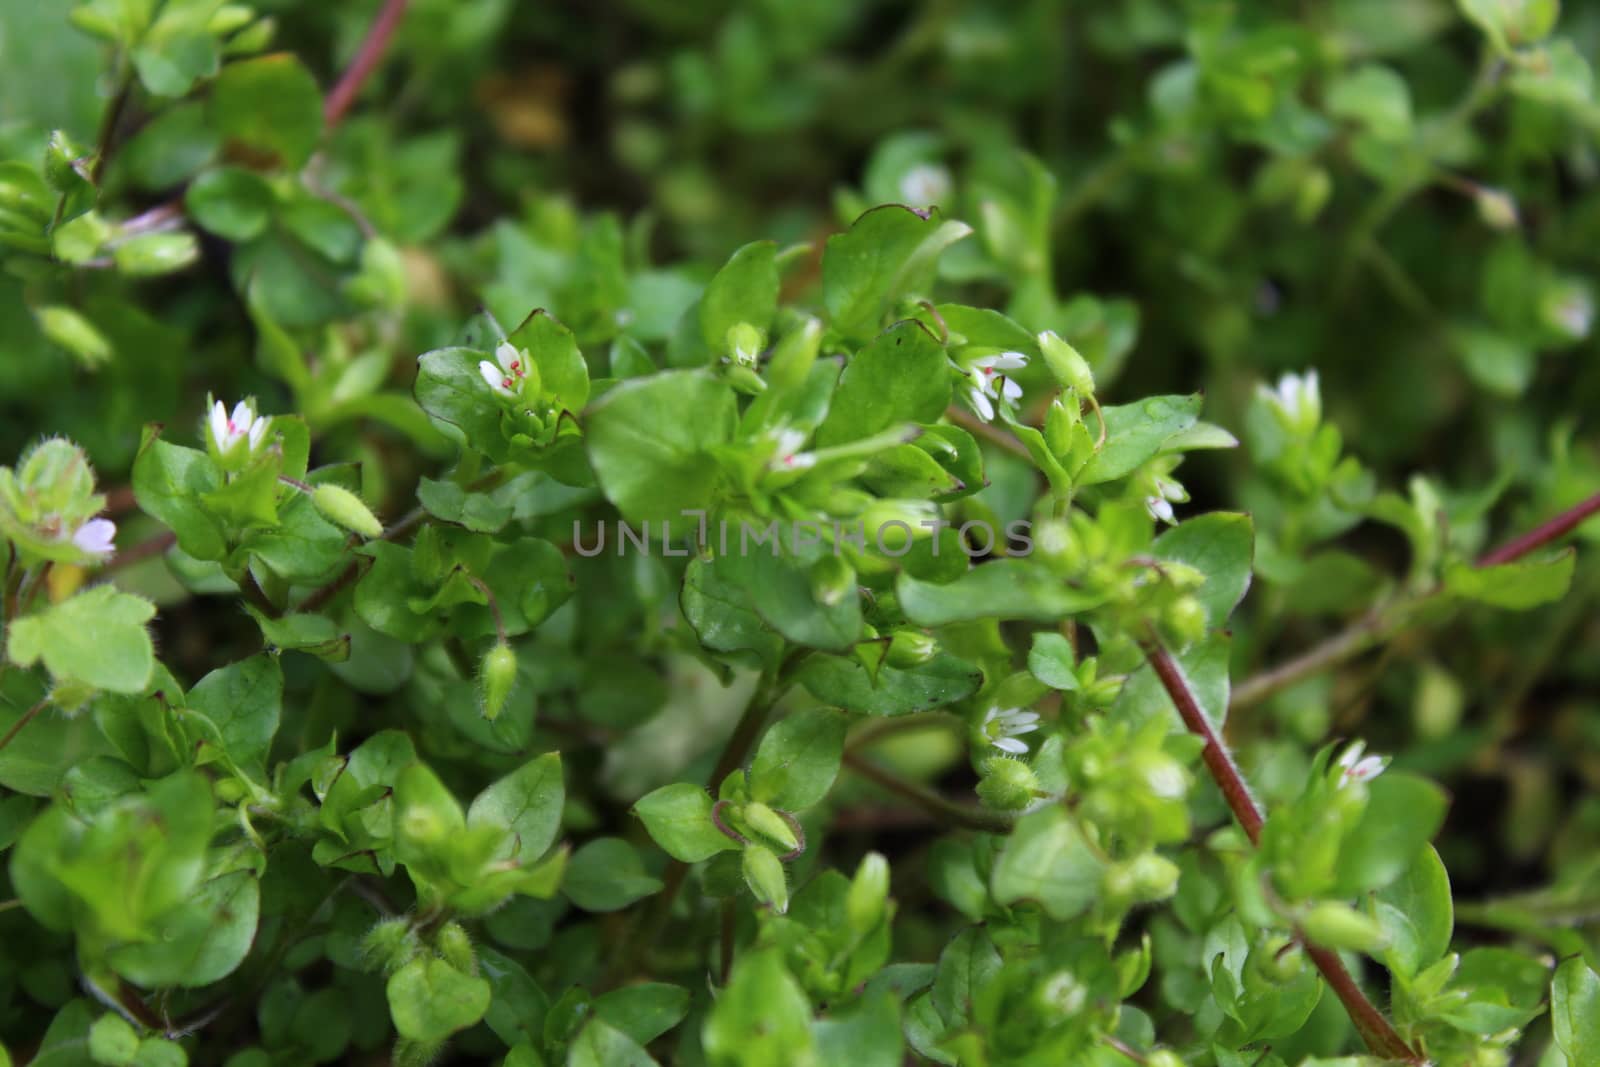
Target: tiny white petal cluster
[1002,726]
[925,185]
[96,538]
[1168,493]
[787,454]
[990,385]
[1298,399]
[513,368]
[1354,767]
[243,425]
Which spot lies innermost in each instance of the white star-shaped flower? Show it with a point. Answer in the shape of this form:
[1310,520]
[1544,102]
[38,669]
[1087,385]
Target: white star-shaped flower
[925,185]
[243,425]
[1354,767]
[1298,398]
[990,385]
[1002,726]
[1168,493]
[97,538]
[513,368]
[787,455]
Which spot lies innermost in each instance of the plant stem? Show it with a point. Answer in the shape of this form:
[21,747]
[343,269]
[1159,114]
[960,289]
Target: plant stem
[27,717]
[1373,627]
[648,929]
[108,127]
[993,434]
[1375,1029]
[366,60]
[150,546]
[942,808]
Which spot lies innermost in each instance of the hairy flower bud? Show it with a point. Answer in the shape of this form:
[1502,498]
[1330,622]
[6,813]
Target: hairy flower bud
[456,948]
[497,679]
[342,507]
[1007,784]
[763,873]
[1335,925]
[768,823]
[1069,368]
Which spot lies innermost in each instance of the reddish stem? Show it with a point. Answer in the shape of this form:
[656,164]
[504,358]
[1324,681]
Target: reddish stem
[1375,1029]
[367,58]
[1542,534]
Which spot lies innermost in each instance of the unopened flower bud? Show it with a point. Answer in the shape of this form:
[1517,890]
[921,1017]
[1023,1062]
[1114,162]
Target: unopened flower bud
[745,344]
[1184,621]
[868,896]
[390,945]
[1496,208]
[1069,368]
[342,507]
[456,948]
[498,678]
[1337,925]
[832,579]
[909,648]
[1007,784]
[763,873]
[768,823]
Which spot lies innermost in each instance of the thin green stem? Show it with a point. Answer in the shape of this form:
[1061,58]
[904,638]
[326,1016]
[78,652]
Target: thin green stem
[27,717]
[942,808]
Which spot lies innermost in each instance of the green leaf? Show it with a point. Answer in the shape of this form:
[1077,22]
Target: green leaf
[453,502]
[169,482]
[744,290]
[96,638]
[270,104]
[1205,665]
[901,376]
[606,874]
[1052,661]
[429,1000]
[1524,584]
[1418,914]
[720,610]
[244,700]
[1375,97]
[865,1034]
[650,440]
[1002,588]
[644,1011]
[762,1017]
[201,941]
[798,759]
[1403,813]
[316,635]
[1047,861]
[678,818]
[844,682]
[600,1044]
[563,373]
[1135,432]
[1575,1010]
[527,802]
[782,586]
[1221,545]
[887,252]
[231,202]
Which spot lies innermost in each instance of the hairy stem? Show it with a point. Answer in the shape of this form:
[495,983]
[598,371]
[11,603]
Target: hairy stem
[27,717]
[1375,626]
[1374,1027]
[942,808]
[366,60]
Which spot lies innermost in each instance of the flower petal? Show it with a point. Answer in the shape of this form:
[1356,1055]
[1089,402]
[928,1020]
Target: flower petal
[981,405]
[1007,361]
[97,537]
[1010,744]
[507,354]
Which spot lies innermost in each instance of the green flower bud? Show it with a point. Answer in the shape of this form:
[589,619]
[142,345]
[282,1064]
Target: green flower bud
[763,873]
[1163,1058]
[498,678]
[1184,622]
[390,945]
[1496,208]
[1007,784]
[343,508]
[1069,368]
[868,896]
[768,823]
[456,948]
[1280,959]
[113,1041]
[62,157]
[65,327]
[1152,877]
[156,253]
[745,344]
[746,380]
[1337,925]
[909,648]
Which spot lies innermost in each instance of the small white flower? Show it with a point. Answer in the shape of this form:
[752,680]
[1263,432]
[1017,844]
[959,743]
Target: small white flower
[990,385]
[925,184]
[787,455]
[97,538]
[1354,767]
[512,369]
[1298,399]
[243,425]
[1002,726]
[1573,314]
[1168,493]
